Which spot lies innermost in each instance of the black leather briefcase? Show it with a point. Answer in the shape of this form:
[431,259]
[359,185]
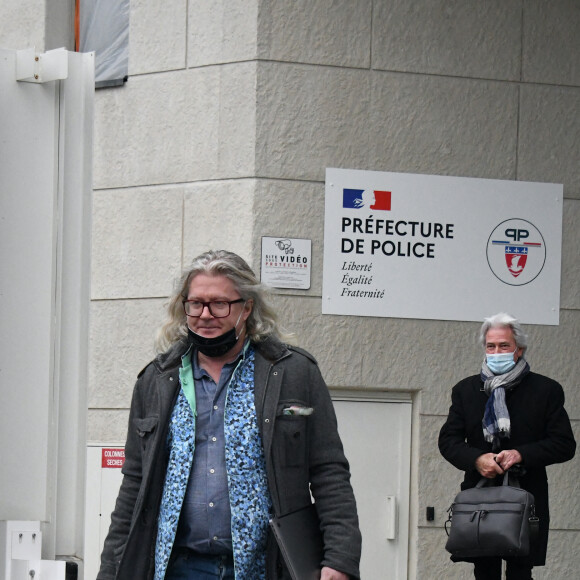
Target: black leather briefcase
[491,520]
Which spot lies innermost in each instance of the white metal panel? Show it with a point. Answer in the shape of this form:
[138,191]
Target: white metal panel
[73,296]
[28,178]
[45,193]
[17,538]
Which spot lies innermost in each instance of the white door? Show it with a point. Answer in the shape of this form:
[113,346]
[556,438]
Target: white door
[376,435]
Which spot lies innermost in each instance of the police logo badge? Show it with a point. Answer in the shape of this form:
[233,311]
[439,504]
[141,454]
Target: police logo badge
[516,252]
[516,258]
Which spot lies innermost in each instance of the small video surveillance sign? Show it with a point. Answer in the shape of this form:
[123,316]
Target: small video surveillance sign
[286,262]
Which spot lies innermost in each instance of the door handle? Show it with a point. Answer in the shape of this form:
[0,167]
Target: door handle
[391,517]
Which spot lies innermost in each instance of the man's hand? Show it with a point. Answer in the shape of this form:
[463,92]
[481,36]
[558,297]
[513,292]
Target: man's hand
[507,458]
[330,574]
[487,466]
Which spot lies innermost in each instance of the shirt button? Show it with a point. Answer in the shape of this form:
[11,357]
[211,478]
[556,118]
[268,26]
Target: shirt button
[214,439]
[215,538]
[215,407]
[212,470]
[211,504]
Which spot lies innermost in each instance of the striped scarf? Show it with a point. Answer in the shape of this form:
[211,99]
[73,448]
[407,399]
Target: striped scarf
[496,418]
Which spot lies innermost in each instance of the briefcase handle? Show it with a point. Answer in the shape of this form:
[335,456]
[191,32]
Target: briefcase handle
[506,480]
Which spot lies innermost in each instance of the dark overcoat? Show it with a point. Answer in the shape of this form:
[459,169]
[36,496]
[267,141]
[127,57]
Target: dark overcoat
[540,431]
[304,456]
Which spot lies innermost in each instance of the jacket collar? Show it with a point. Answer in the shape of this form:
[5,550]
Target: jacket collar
[272,349]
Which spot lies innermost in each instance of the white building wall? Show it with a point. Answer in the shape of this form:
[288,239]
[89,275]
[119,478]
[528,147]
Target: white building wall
[22,24]
[222,134]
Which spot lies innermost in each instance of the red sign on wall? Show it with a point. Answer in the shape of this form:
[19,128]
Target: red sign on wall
[113,458]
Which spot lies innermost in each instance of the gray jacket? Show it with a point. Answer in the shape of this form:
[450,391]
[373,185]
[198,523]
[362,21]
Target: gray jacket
[303,455]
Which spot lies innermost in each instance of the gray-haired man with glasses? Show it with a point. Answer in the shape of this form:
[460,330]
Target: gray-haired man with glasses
[229,427]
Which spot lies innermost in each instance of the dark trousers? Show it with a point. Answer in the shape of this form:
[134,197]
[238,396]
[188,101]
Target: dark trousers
[490,569]
[187,565]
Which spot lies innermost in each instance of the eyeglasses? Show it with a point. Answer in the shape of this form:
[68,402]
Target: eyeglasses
[217,308]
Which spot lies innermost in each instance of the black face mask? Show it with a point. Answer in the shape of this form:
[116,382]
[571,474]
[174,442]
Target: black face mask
[216,346]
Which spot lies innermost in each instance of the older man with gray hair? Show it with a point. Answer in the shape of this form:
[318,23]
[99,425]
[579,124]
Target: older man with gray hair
[508,417]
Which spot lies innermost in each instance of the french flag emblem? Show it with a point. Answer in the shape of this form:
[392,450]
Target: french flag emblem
[366,198]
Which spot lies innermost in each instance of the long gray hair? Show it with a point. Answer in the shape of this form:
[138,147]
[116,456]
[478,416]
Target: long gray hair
[262,322]
[502,319]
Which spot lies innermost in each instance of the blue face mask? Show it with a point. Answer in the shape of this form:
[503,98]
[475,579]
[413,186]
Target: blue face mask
[501,363]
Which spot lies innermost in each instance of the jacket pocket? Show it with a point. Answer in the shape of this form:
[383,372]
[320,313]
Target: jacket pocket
[291,420]
[145,428]
[146,425]
[294,408]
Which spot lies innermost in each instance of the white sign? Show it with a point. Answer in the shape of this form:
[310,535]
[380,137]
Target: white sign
[286,262]
[435,247]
